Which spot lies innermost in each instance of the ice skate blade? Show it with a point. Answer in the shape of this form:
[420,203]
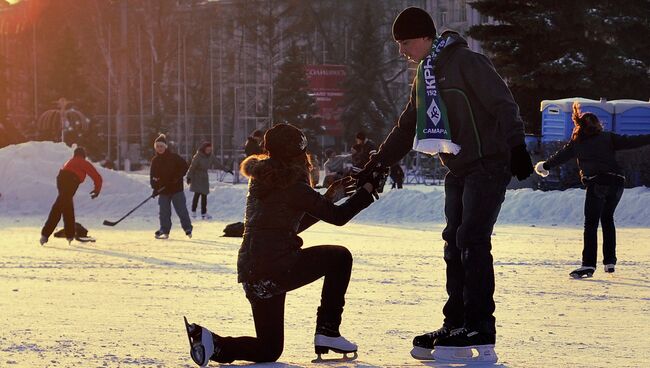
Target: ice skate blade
[421,353]
[578,276]
[344,358]
[201,347]
[485,354]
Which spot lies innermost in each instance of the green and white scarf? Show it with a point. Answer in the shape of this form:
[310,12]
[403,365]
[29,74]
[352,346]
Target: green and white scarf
[432,133]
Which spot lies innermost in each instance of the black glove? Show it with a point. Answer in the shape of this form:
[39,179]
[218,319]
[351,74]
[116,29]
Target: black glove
[520,164]
[155,193]
[376,177]
[366,172]
[189,181]
[94,194]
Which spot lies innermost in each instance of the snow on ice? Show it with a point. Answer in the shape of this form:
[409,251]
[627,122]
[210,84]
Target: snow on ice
[119,302]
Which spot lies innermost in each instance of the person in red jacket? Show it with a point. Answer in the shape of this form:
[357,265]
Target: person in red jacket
[70,176]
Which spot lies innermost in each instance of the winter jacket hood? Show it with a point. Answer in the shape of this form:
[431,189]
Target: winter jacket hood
[268,174]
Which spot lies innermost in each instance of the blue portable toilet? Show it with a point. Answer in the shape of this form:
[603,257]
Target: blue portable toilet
[631,117]
[556,116]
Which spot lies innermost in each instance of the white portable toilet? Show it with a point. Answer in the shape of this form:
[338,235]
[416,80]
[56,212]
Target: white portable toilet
[556,116]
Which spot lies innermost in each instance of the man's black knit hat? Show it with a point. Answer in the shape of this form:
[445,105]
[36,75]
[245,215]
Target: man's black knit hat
[413,22]
[285,141]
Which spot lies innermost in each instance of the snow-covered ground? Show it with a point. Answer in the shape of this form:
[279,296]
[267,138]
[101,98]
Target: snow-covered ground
[119,302]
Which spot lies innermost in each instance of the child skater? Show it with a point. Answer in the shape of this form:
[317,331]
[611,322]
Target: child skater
[280,204]
[604,179]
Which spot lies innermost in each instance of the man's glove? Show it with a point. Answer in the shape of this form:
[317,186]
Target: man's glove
[367,170]
[520,164]
[94,194]
[155,193]
[340,189]
[376,177]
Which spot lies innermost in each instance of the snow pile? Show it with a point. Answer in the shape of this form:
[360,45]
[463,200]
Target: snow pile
[28,186]
[28,182]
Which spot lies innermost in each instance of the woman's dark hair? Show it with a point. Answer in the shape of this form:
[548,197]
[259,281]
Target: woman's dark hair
[586,124]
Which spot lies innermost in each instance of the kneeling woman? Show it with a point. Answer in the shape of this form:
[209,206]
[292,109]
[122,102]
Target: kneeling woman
[280,204]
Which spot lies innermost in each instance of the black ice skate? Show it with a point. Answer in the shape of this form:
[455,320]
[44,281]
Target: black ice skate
[463,346]
[323,344]
[423,344]
[160,235]
[583,271]
[202,345]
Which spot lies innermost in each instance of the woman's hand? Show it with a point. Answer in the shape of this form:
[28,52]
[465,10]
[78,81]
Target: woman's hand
[540,170]
[340,189]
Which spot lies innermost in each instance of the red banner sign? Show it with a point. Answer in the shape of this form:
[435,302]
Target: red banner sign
[326,85]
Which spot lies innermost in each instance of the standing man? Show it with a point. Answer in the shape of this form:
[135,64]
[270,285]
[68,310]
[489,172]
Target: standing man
[166,177]
[70,176]
[461,109]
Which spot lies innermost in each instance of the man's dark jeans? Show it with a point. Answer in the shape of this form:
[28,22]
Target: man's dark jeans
[67,183]
[600,205]
[472,205]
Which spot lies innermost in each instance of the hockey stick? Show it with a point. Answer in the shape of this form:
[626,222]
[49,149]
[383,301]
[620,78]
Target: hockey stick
[111,223]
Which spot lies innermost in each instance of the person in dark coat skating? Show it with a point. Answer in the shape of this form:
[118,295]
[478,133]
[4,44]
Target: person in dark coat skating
[280,204]
[72,174]
[462,110]
[197,177]
[166,178]
[595,151]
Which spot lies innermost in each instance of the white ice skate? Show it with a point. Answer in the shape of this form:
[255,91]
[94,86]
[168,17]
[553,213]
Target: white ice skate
[206,216]
[201,343]
[193,214]
[483,354]
[323,344]
[610,268]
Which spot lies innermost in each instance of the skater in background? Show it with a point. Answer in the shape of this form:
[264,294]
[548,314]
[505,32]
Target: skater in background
[362,148]
[397,176]
[166,178]
[72,174]
[280,204]
[479,136]
[595,152]
[197,178]
[253,143]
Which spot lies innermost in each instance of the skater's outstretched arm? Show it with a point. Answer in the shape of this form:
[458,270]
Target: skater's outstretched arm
[561,156]
[316,205]
[623,142]
[338,190]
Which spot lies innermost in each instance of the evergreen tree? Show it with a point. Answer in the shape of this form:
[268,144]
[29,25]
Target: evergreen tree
[65,77]
[365,105]
[547,49]
[291,100]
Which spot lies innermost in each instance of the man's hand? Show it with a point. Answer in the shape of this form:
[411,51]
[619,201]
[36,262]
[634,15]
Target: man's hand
[340,189]
[94,194]
[367,170]
[376,178]
[520,164]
